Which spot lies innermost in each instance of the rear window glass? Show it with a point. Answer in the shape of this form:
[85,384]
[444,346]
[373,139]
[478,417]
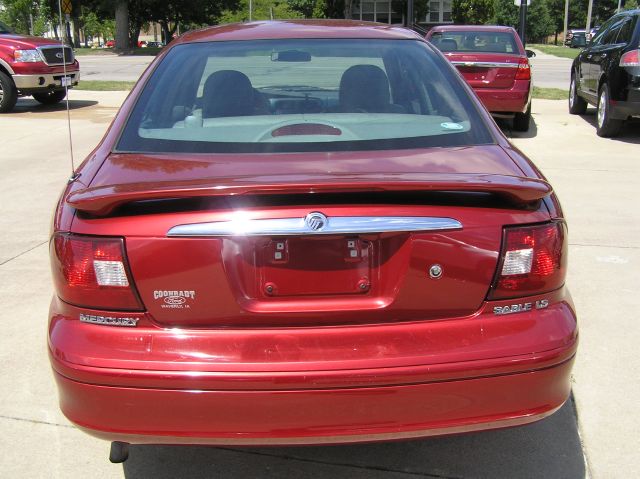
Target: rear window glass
[302,95]
[626,33]
[481,42]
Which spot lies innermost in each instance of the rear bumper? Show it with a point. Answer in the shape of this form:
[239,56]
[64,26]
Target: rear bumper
[621,110]
[321,416]
[314,385]
[44,81]
[507,100]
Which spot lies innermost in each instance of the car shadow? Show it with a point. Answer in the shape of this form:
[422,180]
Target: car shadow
[507,128]
[29,105]
[548,448]
[630,130]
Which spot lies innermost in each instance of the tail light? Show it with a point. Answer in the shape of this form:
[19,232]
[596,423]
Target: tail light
[533,260]
[524,70]
[630,59]
[93,272]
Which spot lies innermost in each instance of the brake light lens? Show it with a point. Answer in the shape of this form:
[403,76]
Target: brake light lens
[524,70]
[533,260]
[93,272]
[630,59]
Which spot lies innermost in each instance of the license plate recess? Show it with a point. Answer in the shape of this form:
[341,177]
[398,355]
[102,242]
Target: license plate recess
[299,266]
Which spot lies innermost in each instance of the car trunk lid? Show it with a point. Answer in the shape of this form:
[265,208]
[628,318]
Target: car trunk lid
[487,70]
[419,239]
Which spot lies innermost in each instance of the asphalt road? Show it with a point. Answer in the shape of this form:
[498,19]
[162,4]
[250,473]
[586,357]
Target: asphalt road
[548,71]
[112,67]
[597,180]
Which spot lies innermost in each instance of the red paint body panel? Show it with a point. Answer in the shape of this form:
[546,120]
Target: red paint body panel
[514,99]
[297,29]
[225,276]
[312,416]
[318,360]
[127,177]
[534,338]
[410,379]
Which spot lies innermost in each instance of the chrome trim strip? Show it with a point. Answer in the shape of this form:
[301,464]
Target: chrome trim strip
[298,226]
[486,64]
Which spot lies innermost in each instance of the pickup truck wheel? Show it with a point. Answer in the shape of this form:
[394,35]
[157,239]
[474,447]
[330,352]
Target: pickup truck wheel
[577,104]
[521,120]
[606,126]
[50,97]
[8,93]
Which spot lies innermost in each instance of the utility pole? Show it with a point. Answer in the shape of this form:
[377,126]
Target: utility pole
[588,27]
[566,21]
[410,13]
[250,10]
[523,22]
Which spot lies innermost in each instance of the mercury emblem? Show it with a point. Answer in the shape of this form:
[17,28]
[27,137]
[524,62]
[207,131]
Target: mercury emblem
[315,221]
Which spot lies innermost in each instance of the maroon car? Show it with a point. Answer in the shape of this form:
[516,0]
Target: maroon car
[494,62]
[302,233]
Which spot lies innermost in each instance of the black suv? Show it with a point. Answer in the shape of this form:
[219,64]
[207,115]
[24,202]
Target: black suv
[607,74]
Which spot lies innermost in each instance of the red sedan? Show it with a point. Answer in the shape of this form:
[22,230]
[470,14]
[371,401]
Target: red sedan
[304,233]
[496,65]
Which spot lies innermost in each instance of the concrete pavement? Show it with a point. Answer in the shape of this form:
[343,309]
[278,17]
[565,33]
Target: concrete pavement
[596,179]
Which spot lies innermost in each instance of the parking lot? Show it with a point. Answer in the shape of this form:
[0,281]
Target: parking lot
[593,435]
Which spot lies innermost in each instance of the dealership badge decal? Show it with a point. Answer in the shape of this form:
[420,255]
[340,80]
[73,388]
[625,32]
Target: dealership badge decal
[172,299]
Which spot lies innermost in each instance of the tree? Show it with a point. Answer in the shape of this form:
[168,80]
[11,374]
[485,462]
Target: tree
[305,7]
[122,25]
[19,14]
[631,5]
[472,12]
[262,10]
[505,13]
[539,22]
[556,12]
[170,14]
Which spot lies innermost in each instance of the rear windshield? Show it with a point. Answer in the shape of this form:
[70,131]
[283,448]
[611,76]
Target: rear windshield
[481,42]
[302,95]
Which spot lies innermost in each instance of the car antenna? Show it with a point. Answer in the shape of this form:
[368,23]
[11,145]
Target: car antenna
[65,81]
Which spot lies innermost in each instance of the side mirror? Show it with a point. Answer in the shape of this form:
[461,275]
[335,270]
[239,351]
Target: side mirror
[530,53]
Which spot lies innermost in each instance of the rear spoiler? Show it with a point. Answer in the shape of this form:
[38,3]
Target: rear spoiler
[102,200]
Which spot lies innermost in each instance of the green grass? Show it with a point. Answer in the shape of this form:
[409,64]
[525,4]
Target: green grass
[100,85]
[147,52]
[558,51]
[80,52]
[550,93]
